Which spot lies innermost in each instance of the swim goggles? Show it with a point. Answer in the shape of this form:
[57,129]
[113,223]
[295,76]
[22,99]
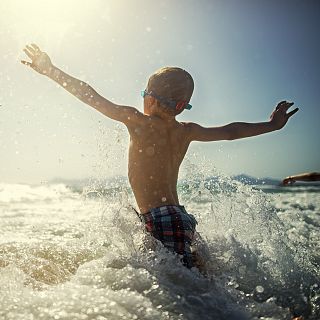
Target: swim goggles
[178,105]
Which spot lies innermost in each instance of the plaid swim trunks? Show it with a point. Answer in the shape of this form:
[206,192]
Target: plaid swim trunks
[174,227]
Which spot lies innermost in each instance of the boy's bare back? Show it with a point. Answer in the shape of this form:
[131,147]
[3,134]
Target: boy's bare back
[157,148]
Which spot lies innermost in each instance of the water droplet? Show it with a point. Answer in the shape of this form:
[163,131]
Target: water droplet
[56,73]
[64,84]
[140,150]
[259,289]
[164,199]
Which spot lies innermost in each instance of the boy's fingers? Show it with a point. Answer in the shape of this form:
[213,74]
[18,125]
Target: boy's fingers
[288,105]
[284,105]
[26,63]
[280,104]
[293,112]
[32,50]
[35,46]
[28,53]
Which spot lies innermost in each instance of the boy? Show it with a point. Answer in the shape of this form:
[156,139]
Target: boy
[158,143]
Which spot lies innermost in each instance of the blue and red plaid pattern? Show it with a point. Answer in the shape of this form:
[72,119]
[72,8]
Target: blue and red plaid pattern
[174,227]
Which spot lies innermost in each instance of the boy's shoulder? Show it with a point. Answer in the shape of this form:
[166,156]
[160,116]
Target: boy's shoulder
[189,126]
[142,120]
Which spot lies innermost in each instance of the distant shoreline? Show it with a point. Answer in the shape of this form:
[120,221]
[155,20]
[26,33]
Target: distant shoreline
[243,178]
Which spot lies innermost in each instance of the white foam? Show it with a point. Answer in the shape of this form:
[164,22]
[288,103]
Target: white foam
[67,258]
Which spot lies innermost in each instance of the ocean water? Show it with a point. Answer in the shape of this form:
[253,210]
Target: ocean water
[70,252]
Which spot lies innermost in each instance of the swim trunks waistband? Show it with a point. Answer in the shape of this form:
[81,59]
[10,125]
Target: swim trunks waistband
[161,211]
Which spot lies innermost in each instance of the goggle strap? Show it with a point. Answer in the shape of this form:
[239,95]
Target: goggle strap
[183,104]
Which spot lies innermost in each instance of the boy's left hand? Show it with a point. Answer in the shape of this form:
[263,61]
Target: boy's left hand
[279,116]
[40,60]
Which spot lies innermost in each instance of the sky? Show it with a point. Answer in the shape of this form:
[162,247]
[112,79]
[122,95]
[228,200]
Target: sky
[245,56]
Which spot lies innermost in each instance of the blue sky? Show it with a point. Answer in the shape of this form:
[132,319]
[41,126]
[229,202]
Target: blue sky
[244,56]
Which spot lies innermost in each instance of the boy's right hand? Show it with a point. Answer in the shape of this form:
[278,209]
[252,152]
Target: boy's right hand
[40,60]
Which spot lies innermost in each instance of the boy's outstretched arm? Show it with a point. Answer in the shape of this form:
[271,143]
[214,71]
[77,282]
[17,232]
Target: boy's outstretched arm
[83,91]
[238,130]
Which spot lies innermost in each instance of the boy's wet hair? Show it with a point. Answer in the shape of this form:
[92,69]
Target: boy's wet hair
[171,83]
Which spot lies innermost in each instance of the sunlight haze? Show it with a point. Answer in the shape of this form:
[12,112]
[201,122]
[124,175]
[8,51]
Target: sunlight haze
[244,56]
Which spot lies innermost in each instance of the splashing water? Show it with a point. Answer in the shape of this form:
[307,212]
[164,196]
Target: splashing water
[66,255]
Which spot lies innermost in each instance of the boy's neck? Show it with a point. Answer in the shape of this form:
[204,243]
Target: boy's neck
[156,113]
[164,117]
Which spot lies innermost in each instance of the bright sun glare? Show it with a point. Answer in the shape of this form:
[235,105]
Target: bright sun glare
[47,19]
